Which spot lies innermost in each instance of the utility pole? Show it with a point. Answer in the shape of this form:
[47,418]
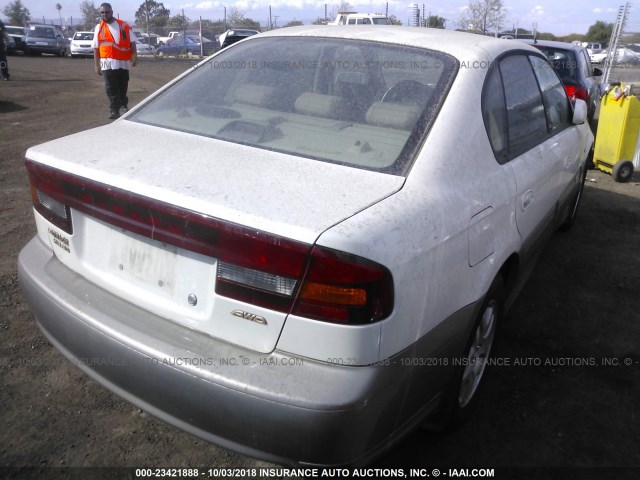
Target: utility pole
[146,13]
[184,30]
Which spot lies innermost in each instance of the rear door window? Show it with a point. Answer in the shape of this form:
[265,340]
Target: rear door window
[554,97]
[523,104]
[525,110]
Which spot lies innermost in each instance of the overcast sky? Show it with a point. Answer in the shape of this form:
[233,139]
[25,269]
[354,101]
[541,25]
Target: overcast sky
[559,17]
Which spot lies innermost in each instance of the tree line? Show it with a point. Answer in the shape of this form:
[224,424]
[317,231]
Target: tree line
[481,16]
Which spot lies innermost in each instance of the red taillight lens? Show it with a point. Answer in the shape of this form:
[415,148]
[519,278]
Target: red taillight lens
[582,94]
[252,266]
[577,92]
[343,288]
[570,91]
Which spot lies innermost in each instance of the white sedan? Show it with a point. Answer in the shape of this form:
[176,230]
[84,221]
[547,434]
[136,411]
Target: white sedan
[624,55]
[81,44]
[304,244]
[145,49]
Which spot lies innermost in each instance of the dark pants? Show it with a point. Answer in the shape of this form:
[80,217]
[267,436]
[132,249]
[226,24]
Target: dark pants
[4,66]
[116,83]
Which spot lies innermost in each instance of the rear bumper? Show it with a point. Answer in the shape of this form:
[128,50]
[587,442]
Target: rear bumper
[271,406]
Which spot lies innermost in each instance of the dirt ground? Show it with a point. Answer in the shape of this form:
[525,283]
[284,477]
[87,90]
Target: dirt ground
[566,397]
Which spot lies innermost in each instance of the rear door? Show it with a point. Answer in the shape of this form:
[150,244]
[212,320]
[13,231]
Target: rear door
[526,112]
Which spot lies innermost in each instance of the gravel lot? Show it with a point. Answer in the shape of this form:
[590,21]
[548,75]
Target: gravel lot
[566,397]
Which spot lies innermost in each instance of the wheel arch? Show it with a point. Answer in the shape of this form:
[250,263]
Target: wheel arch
[510,272]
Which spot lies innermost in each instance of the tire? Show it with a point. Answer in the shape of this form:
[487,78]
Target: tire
[622,171]
[568,222]
[480,344]
[462,397]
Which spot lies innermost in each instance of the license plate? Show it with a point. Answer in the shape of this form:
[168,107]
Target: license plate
[148,261]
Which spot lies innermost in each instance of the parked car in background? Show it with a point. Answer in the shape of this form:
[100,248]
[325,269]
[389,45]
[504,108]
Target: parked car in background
[149,39]
[81,44]
[168,38]
[355,18]
[305,244]
[10,44]
[593,47]
[46,39]
[235,35]
[19,36]
[145,49]
[573,65]
[598,57]
[624,55]
[180,45]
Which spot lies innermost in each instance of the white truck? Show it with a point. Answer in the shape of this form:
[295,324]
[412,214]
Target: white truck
[355,18]
[164,40]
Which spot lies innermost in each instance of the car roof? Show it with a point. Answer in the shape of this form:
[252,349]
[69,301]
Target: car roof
[242,30]
[554,44]
[461,45]
[33,26]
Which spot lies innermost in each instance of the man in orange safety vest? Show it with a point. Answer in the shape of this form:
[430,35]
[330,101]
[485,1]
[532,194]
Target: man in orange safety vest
[114,53]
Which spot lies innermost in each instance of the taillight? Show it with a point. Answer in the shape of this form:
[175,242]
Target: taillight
[577,92]
[55,211]
[252,266]
[344,288]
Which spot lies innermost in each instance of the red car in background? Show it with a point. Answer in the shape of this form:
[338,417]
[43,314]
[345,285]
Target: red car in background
[579,77]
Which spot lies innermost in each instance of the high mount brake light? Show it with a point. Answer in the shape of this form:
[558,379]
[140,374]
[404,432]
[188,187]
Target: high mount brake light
[252,266]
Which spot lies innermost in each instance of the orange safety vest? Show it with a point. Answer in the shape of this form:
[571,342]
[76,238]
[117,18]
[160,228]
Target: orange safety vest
[109,48]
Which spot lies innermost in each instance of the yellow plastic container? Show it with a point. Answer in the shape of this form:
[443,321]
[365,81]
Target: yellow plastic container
[617,136]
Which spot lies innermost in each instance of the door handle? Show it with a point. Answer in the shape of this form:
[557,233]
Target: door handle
[527,198]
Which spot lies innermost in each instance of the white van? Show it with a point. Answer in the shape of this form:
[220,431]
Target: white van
[354,18]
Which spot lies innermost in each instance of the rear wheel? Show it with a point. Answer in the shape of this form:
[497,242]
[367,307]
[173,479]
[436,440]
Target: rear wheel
[463,395]
[480,346]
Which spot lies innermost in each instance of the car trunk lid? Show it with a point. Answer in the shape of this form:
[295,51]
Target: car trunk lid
[152,259]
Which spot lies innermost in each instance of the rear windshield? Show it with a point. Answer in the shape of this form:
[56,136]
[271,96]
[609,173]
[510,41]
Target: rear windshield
[14,30]
[356,103]
[564,63]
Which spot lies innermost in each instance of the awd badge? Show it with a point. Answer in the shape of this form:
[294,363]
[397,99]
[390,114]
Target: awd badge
[249,316]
